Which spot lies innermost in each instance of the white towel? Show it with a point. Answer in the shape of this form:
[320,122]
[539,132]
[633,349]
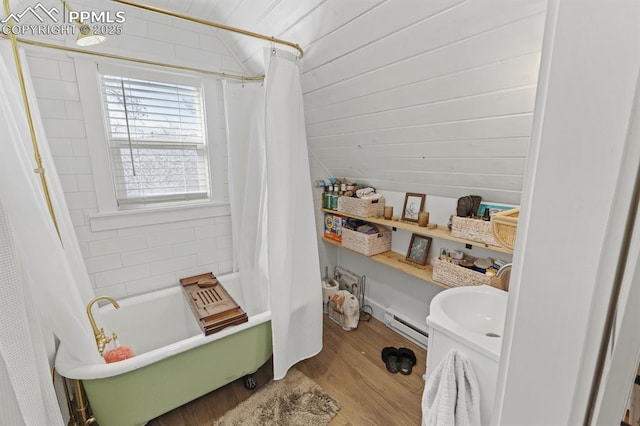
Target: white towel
[452,395]
[363,192]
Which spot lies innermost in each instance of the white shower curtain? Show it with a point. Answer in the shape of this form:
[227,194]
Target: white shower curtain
[55,272]
[244,111]
[27,395]
[272,208]
[296,293]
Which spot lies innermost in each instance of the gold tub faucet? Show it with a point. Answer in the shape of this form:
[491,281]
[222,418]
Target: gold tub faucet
[101,339]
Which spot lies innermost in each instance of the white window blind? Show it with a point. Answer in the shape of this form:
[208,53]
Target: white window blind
[157,142]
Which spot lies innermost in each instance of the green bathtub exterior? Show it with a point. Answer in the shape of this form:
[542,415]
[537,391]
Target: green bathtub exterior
[135,397]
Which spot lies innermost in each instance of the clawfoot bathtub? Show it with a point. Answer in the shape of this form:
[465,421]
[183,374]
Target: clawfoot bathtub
[174,363]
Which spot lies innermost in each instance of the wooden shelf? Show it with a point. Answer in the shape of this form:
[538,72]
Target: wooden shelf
[330,241]
[397,261]
[439,232]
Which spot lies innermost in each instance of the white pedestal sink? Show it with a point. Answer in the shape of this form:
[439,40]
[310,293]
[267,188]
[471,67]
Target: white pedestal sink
[469,319]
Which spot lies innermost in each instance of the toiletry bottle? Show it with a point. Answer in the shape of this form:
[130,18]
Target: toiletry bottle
[325,197]
[328,197]
[334,198]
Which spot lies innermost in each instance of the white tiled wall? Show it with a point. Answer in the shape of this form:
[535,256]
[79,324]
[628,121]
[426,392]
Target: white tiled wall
[133,260]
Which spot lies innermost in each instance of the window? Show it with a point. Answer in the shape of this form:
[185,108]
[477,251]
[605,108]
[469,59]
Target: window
[173,134]
[156,140]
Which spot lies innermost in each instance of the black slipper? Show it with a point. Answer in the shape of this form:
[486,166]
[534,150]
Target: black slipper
[391,360]
[407,360]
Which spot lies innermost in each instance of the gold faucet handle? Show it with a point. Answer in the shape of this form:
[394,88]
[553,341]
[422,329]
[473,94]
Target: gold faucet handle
[101,339]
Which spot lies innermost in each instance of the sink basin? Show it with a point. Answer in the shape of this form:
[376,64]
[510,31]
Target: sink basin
[471,313]
[469,320]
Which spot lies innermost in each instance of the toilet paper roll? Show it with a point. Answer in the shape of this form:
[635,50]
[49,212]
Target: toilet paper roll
[328,290]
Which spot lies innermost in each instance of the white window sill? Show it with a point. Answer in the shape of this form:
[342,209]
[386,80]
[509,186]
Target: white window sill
[151,216]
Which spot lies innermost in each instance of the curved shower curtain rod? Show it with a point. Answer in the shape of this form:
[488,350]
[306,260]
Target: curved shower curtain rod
[137,60]
[211,24]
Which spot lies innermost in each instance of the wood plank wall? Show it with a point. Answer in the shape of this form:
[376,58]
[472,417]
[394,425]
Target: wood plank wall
[441,104]
[409,95]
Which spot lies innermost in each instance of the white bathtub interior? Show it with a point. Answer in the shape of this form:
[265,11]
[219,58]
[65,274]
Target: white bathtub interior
[172,318]
[155,325]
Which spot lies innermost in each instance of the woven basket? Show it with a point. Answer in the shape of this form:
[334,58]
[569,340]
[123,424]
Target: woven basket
[367,244]
[505,225]
[448,273]
[359,207]
[473,229]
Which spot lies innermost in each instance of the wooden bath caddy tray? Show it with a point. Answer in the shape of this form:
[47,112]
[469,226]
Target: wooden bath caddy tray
[210,303]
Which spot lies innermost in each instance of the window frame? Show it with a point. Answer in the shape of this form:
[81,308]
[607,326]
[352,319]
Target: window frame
[124,142]
[109,214]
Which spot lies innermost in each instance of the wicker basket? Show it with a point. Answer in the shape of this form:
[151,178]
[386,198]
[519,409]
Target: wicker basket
[449,273]
[359,207]
[473,229]
[505,225]
[367,244]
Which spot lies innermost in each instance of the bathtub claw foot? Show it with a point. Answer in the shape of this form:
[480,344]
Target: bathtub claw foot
[250,381]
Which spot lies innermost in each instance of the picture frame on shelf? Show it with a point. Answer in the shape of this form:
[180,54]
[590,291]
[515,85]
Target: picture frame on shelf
[418,249]
[413,205]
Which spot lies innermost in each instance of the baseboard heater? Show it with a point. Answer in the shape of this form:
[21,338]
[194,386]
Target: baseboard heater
[408,328]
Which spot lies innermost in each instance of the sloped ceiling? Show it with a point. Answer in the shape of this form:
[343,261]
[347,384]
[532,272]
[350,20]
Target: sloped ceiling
[422,96]
[408,95]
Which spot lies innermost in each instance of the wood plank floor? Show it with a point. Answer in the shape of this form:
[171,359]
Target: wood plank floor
[349,368]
